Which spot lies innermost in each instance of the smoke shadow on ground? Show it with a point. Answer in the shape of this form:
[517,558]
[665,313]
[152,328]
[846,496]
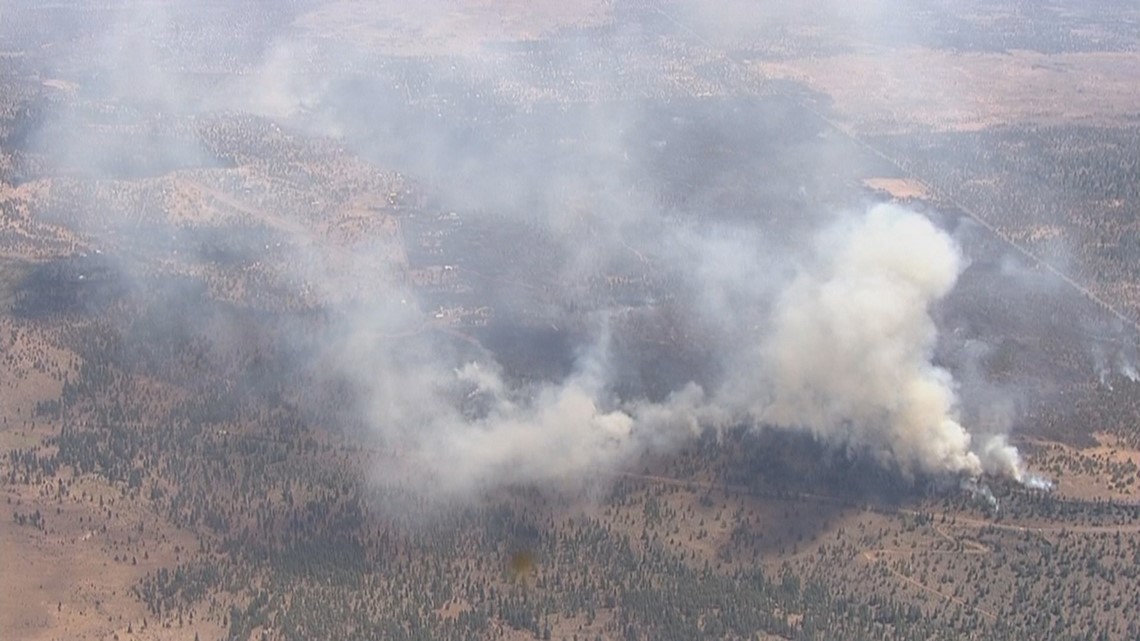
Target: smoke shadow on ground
[65,286]
[780,462]
[56,139]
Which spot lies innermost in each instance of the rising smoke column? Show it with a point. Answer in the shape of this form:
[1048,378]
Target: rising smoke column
[847,356]
[849,353]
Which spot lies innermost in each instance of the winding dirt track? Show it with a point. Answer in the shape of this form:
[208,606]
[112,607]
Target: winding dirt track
[872,555]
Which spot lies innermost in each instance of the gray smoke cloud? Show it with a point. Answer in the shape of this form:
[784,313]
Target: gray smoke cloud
[845,353]
[814,321]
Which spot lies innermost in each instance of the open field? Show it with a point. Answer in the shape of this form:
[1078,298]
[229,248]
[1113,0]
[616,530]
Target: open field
[936,90]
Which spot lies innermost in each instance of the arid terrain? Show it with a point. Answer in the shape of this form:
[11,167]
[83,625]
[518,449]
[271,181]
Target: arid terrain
[337,320]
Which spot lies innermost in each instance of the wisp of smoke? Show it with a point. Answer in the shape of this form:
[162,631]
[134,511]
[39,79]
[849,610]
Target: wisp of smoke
[1126,367]
[1108,364]
[981,490]
[1036,482]
[1100,364]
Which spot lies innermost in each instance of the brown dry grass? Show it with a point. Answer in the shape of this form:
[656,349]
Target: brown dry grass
[26,237]
[64,582]
[904,90]
[1089,473]
[31,370]
[438,27]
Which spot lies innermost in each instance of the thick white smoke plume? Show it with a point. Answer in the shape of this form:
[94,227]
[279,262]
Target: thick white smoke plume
[561,433]
[847,356]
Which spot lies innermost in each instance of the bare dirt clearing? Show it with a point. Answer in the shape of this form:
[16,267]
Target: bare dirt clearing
[899,188]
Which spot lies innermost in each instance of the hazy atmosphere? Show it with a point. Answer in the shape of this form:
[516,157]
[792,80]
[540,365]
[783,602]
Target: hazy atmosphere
[587,320]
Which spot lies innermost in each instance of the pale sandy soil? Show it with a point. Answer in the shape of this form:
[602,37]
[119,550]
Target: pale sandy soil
[899,188]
